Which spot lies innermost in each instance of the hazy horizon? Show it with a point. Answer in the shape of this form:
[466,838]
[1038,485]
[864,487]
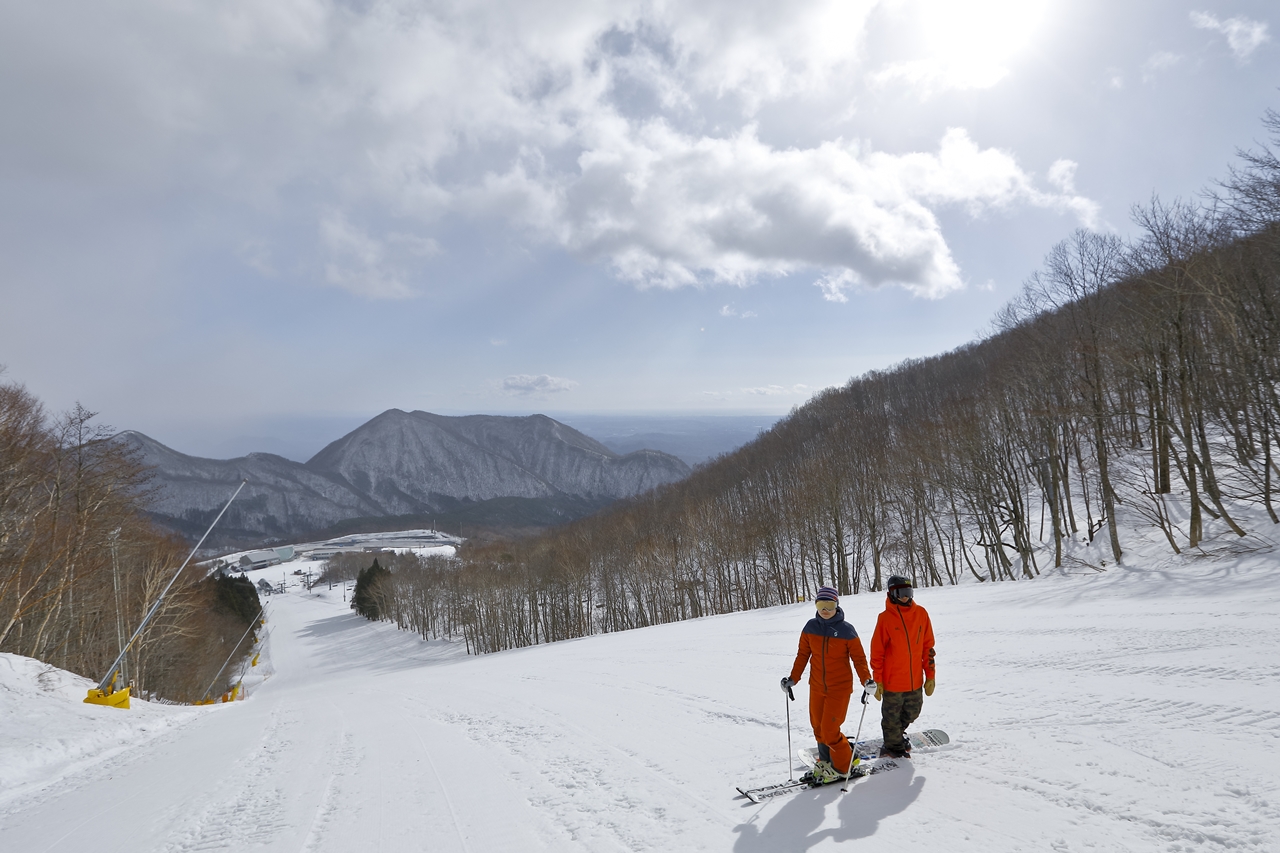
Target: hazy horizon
[693,438]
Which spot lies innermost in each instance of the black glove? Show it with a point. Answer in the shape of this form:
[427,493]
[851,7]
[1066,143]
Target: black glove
[787,684]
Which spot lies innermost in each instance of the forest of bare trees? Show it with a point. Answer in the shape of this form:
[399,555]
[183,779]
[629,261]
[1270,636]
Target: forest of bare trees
[1133,378]
[80,563]
[1129,376]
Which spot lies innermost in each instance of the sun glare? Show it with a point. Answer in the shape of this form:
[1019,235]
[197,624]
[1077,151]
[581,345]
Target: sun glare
[962,45]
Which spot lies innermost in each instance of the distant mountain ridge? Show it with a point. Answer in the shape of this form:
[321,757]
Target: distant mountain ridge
[529,471]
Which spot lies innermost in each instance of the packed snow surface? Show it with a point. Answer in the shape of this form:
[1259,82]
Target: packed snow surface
[1134,708]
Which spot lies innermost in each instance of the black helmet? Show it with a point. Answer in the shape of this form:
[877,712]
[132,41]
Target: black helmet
[900,591]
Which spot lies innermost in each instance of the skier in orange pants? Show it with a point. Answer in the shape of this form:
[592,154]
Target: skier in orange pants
[827,644]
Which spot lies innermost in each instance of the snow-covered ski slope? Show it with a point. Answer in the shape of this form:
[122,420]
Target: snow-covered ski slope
[1133,709]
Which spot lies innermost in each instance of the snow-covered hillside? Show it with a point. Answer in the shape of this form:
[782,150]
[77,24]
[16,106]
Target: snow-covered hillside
[400,463]
[1133,709]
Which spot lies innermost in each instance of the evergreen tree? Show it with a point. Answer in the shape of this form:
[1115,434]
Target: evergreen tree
[236,595]
[365,598]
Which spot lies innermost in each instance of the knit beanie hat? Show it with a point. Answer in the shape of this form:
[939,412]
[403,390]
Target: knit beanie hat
[828,593]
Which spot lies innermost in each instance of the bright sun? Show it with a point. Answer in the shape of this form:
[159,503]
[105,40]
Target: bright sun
[961,44]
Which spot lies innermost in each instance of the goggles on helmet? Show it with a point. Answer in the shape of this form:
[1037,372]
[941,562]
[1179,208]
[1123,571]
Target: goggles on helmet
[902,593]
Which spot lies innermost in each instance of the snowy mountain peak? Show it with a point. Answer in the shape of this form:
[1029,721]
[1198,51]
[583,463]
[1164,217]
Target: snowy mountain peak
[402,464]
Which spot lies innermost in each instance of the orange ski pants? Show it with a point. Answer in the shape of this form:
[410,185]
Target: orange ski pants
[826,715]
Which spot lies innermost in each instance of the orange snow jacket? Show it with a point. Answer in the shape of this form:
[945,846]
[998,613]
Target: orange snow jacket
[829,644]
[902,648]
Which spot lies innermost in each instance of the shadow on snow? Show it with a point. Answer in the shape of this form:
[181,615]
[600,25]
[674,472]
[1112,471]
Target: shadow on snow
[795,825]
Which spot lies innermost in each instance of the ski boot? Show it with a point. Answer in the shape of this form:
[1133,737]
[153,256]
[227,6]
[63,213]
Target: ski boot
[824,773]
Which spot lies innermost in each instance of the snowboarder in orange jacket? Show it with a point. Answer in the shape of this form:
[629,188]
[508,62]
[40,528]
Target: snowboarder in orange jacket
[827,644]
[902,660]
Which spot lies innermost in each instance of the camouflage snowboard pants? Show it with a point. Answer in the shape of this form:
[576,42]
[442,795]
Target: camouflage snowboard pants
[897,711]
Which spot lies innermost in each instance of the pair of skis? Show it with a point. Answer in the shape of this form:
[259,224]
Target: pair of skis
[868,765]
[779,789]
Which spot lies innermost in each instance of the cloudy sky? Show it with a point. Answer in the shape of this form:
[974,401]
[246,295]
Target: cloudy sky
[237,217]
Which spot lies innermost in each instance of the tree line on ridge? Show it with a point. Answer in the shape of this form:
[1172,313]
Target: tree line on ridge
[1128,376]
[81,563]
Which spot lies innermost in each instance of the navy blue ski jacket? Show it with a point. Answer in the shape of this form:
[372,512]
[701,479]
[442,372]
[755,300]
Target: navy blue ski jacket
[827,646]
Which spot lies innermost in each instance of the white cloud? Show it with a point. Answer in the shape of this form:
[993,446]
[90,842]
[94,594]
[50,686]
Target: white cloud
[256,254]
[669,209]
[526,385]
[933,76]
[1243,35]
[1158,63]
[730,311]
[366,265]
[954,46]
[776,390]
[1062,174]
[582,122]
[835,284]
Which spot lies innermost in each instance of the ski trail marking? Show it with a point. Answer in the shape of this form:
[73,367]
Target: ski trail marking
[328,802]
[453,813]
[635,760]
[240,814]
[97,814]
[571,788]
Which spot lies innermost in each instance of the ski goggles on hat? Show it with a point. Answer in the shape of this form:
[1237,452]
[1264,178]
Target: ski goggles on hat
[827,605]
[902,593]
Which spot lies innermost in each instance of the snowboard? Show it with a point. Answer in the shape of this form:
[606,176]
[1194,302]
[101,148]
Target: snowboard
[867,750]
[869,764]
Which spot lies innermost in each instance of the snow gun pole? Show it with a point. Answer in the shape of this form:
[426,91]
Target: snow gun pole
[102,695]
[207,690]
[856,739]
[786,703]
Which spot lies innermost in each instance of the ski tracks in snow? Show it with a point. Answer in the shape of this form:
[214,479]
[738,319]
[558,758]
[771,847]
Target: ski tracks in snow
[570,790]
[443,786]
[1185,818]
[1163,732]
[247,807]
[265,798]
[597,793]
[328,808]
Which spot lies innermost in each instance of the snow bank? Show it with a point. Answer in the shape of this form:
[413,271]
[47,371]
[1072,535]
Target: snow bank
[47,732]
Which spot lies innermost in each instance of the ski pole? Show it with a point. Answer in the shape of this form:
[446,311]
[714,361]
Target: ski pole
[856,739]
[858,736]
[786,703]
